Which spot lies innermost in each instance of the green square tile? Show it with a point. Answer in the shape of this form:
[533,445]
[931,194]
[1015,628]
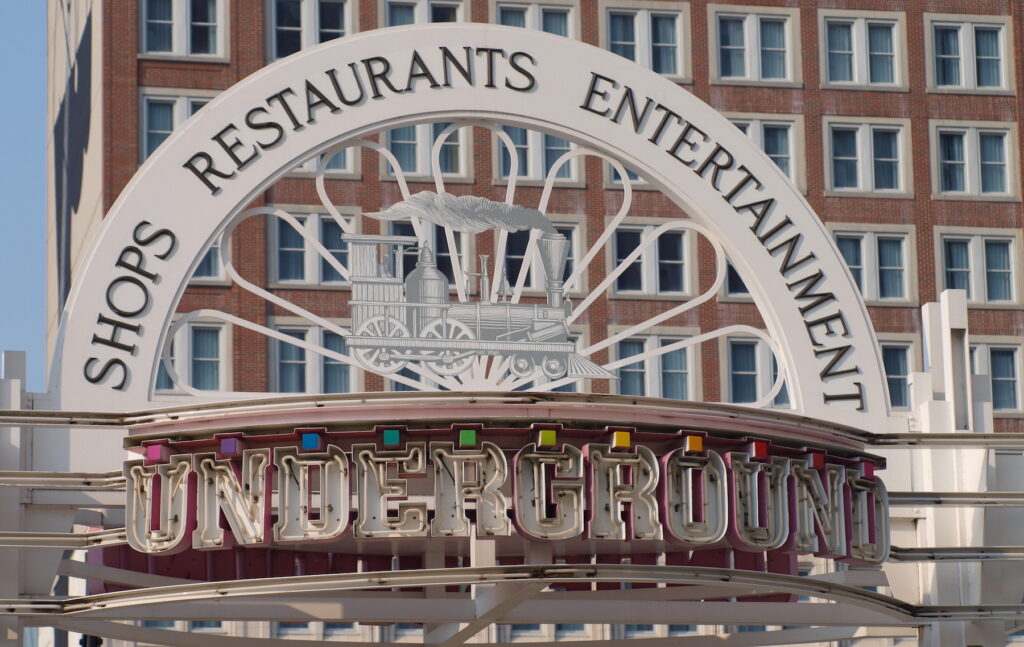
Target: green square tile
[392,437]
[547,437]
[467,437]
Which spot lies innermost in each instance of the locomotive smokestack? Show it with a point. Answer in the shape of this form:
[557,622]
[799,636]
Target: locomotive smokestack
[554,247]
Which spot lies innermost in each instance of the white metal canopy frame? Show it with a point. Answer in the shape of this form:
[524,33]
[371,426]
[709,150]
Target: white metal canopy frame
[195,188]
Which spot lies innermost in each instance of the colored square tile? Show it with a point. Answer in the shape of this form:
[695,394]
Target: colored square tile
[694,443]
[620,440]
[467,437]
[817,460]
[159,453]
[868,467]
[547,437]
[759,449]
[311,442]
[392,437]
[230,446]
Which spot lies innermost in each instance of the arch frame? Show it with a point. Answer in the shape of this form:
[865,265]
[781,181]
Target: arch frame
[560,86]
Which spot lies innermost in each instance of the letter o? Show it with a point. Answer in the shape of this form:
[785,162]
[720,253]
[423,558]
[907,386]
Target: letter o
[122,311]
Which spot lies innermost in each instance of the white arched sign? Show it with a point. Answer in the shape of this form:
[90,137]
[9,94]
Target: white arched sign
[204,175]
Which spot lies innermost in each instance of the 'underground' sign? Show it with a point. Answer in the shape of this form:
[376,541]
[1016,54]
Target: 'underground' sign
[689,490]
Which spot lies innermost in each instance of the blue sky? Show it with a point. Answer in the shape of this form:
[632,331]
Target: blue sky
[23,183]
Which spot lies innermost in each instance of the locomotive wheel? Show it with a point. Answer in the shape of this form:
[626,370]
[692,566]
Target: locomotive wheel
[521,366]
[553,367]
[381,360]
[447,361]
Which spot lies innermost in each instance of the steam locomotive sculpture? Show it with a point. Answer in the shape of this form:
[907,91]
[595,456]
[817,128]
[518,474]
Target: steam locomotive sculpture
[396,321]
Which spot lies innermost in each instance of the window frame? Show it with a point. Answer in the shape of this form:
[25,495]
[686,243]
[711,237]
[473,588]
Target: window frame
[309,28]
[976,238]
[534,12]
[968,57]
[865,127]
[649,261]
[424,134]
[577,250]
[763,373]
[797,139]
[181,34]
[311,258]
[535,163]
[870,233]
[182,356]
[912,344]
[981,365]
[642,11]
[313,361]
[182,98]
[421,10]
[861,19]
[972,131]
[752,15]
[652,338]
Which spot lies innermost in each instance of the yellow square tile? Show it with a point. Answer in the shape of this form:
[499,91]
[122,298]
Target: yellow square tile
[694,443]
[547,437]
[620,440]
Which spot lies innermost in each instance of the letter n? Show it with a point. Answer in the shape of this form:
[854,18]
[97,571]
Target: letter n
[242,495]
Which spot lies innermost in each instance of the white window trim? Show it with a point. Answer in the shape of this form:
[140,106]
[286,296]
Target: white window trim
[422,10]
[643,11]
[984,343]
[182,356]
[797,139]
[536,175]
[310,18]
[649,262]
[579,240]
[870,279]
[313,215]
[652,367]
[313,361]
[912,343]
[976,236]
[972,159]
[794,57]
[967,57]
[865,162]
[764,372]
[182,98]
[534,9]
[862,18]
[424,146]
[180,34]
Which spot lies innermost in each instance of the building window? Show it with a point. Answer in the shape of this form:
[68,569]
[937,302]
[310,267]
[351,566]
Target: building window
[754,47]
[206,625]
[866,157]
[973,161]
[438,243]
[162,114]
[412,147]
[981,265]
[666,375]
[896,359]
[773,137]
[752,371]
[297,24]
[1002,364]
[421,12]
[298,371]
[298,261]
[536,155]
[205,358]
[182,27]
[553,20]
[860,51]
[877,262]
[968,55]
[195,353]
[651,38]
[515,252]
[660,268]
[734,285]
